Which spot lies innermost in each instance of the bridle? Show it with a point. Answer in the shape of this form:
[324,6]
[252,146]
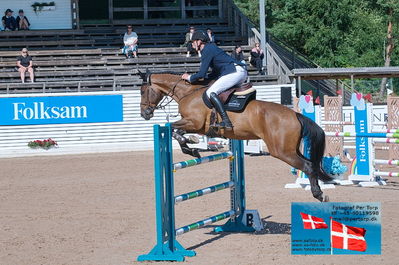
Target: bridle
[150,107]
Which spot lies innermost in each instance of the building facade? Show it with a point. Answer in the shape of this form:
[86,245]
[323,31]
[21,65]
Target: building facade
[70,14]
[57,16]
[119,11]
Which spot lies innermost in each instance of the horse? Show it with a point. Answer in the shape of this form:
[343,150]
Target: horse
[281,128]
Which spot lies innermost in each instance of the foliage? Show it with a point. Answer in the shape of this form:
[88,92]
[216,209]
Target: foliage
[250,8]
[37,7]
[45,144]
[345,33]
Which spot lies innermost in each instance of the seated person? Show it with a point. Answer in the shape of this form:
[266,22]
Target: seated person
[130,40]
[9,22]
[24,63]
[238,55]
[22,21]
[257,56]
[189,43]
[211,35]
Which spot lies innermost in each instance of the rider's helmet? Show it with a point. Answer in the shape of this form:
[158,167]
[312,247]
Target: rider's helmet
[199,35]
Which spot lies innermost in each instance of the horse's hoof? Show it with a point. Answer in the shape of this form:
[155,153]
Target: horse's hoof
[192,139]
[326,199]
[195,153]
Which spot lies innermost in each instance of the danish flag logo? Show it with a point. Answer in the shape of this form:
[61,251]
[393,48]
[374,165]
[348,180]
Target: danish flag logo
[347,237]
[313,222]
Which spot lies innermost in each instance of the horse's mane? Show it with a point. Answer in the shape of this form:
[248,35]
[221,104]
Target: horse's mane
[162,73]
[202,82]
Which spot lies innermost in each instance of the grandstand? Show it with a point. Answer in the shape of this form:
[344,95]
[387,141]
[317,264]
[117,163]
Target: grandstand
[88,58]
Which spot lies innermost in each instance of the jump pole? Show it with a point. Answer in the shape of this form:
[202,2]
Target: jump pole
[167,247]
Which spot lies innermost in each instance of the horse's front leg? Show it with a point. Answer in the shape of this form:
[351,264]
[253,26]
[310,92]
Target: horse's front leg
[191,139]
[178,135]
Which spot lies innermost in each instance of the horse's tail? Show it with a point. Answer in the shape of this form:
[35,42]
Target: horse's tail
[317,142]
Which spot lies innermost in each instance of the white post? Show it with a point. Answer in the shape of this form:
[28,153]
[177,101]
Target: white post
[262,19]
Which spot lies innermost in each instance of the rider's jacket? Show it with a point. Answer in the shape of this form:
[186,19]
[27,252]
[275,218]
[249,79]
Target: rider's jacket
[214,57]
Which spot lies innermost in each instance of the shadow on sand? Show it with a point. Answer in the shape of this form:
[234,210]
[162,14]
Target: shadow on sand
[269,227]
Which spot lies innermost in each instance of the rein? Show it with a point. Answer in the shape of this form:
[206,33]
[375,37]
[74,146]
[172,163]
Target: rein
[170,94]
[165,102]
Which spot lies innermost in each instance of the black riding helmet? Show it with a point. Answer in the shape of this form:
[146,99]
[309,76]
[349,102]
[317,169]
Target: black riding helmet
[199,35]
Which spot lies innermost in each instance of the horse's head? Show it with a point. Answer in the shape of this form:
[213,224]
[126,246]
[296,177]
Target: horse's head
[150,97]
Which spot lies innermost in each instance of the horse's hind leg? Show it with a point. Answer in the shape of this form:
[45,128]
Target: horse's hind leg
[299,162]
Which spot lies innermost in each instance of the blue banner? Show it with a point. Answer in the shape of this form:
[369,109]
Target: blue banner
[362,143]
[62,109]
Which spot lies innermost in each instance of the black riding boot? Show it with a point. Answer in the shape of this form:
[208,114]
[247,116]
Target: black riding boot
[225,123]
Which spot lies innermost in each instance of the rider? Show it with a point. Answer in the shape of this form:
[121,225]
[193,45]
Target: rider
[225,69]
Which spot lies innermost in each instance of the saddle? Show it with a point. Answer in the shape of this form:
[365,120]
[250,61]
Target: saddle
[235,99]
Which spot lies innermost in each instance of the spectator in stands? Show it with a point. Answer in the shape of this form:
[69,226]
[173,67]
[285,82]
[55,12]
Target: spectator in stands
[130,40]
[189,43]
[9,22]
[257,56]
[24,63]
[211,36]
[22,21]
[238,54]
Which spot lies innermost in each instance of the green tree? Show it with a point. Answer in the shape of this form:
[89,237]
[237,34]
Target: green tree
[331,33]
[250,8]
[345,33]
[391,9]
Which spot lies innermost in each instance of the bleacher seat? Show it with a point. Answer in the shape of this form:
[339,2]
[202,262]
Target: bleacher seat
[90,58]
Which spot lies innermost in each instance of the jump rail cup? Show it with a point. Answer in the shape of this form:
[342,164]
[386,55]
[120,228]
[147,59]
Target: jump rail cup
[167,248]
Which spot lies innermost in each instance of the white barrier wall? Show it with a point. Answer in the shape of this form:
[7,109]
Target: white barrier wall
[134,133]
[379,116]
[272,93]
[59,18]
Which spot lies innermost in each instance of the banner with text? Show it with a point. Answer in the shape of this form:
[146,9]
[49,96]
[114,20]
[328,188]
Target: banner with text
[62,109]
[335,228]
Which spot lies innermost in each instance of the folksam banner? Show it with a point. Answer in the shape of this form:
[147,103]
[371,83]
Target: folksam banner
[62,109]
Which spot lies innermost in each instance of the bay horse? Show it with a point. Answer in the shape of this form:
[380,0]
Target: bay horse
[281,128]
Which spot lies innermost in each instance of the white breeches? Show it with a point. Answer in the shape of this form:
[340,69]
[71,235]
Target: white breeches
[227,81]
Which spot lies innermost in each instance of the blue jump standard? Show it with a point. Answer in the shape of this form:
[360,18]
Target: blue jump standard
[167,248]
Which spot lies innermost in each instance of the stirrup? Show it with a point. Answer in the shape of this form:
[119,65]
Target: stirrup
[222,125]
